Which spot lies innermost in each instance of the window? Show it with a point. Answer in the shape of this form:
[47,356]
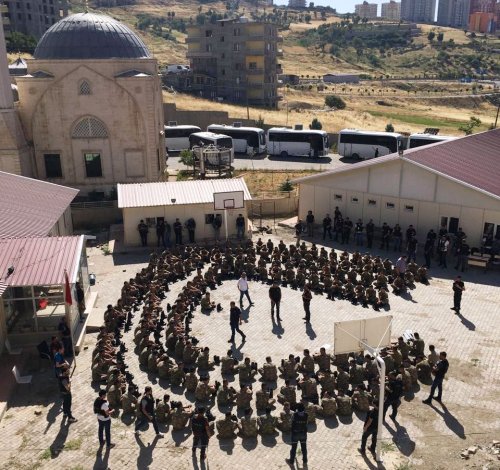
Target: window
[52,165]
[236,47]
[237,31]
[252,65]
[337,197]
[93,167]
[354,200]
[208,33]
[208,47]
[390,205]
[84,88]
[408,208]
[372,202]
[89,128]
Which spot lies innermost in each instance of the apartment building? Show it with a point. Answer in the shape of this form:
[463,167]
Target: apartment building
[235,60]
[33,17]
[453,13]
[297,3]
[481,22]
[418,11]
[482,6]
[366,10]
[391,10]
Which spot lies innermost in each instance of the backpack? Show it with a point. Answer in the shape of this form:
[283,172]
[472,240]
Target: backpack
[97,406]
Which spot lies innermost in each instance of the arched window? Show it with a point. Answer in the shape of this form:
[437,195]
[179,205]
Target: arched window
[89,128]
[84,88]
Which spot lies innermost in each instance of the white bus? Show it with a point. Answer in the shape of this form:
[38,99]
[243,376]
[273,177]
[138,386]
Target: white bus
[177,137]
[203,139]
[245,139]
[419,140]
[287,142]
[367,144]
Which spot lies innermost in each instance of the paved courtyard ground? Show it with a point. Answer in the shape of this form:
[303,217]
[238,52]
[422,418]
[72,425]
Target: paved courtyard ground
[33,434]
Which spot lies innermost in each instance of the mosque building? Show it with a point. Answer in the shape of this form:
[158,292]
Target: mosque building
[90,107]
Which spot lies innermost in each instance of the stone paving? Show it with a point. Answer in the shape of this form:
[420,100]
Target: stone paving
[34,435]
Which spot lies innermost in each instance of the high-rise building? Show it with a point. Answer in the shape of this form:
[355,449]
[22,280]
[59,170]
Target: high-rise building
[481,22]
[297,3]
[34,17]
[482,6]
[235,60]
[391,10]
[418,11]
[366,10]
[453,13]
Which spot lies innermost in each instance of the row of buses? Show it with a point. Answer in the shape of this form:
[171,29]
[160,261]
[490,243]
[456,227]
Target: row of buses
[286,142]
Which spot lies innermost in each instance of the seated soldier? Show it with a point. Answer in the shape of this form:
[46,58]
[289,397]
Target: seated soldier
[328,405]
[285,419]
[422,275]
[323,360]
[267,423]
[312,411]
[191,381]
[361,399]
[227,364]
[206,303]
[163,411]
[129,402]
[226,395]
[244,397]
[309,388]
[204,391]
[263,398]
[180,416]
[424,369]
[287,394]
[289,367]
[268,371]
[226,426]
[203,362]
[398,286]
[248,425]
[307,363]
[246,372]
[344,407]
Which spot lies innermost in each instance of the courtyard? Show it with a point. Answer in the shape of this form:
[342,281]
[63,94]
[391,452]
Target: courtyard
[34,434]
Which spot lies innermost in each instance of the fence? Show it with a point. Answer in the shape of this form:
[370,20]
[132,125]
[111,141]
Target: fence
[273,204]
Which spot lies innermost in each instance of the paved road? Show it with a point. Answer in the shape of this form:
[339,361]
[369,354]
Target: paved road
[242,162]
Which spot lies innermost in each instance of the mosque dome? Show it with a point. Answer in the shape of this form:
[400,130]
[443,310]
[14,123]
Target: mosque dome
[90,36]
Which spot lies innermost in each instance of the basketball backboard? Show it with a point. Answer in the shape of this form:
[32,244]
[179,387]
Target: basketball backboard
[356,335]
[229,200]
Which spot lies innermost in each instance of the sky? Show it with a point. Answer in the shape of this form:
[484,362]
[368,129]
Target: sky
[342,6]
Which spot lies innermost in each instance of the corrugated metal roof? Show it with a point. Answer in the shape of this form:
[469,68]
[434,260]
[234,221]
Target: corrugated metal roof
[472,160]
[39,260]
[184,192]
[30,207]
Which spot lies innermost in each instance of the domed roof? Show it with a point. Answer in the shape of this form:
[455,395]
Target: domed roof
[90,36]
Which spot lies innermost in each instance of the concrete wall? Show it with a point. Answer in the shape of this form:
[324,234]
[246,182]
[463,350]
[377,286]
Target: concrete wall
[64,226]
[132,216]
[85,217]
[400,192]
[273,206]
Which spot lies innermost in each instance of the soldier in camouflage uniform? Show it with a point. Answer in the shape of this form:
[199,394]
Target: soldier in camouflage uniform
[244,397]
[153,361]
[287,393]
[285,419]
[248,425]
[263,398]
[226,427]
[163,411]
[180,417]
[344,407]
[164,367]
[227,365]
[361,399]
[356,373]
[307,363]
[267,423]
[328,405]
[309,388]
[323,360]
[268,371]
[204,391]
[191,381]
[226,395]
[245,371]
[114,396]
[129,402]
[312,411]
[397,357]
[177,374]
[405,377]
[203,362]
[423,370]
[342,379]
[289,368]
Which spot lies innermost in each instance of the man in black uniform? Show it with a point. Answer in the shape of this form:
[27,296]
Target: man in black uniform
[191,226]
[458,288]
[299,434]
[394,390]
[275,296]
[298,231]
[370,428]
[235,322]
[439,371]
[327,226]
[201,432]
[147,412]
[143,232]
[178,232]
[310,224]
[370,229]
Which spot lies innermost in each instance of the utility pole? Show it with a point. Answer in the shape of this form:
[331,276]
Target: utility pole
[498,111]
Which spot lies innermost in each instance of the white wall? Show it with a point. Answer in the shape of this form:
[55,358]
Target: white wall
[132,217]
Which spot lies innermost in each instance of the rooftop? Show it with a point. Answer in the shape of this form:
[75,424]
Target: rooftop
[39,261]
[472,160]
[30,207]
[183,192]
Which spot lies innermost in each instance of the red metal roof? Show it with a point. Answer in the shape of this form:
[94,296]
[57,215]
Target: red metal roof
[30,207]
[39,260]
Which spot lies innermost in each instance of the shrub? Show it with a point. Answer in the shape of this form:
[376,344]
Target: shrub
[334,101]
[389,128]
[316,124]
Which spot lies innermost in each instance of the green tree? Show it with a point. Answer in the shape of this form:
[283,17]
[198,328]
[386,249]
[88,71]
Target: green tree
[431,36]
[286,186]
[316,124]
[186,157]
[389,127]
[440,37]
[468,128]
[308,18]
[334,101]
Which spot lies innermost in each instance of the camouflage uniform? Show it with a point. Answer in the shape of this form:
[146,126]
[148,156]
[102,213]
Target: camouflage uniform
[324,361]
[191,382]
[153,362]
[203,361]
[114,396]
[424,371]
[129,403]
[164,369]
[312,411]
[269,372]
[180,419]
[287,393]
[267,424]
[329,407]
[262,400]
[328,383]
[203,392]
[285,421]
[246,373]
[342,380]
[248,426]
[361,400]
[243,399]
[227,365]
[407,382]
[225,396]
[226,428]
[163,412]
[344,406]
[356,375]
[177,375]
[289,369]
[307,365]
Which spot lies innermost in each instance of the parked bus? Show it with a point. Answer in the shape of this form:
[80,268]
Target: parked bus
[245,139]
[419,140]
[177,137]
[297,143]
[367,144]
[203,139]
